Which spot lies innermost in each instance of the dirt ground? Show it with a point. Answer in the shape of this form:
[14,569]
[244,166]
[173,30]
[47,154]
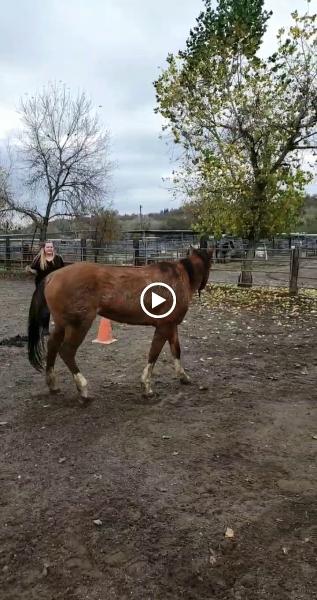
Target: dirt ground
[165,479]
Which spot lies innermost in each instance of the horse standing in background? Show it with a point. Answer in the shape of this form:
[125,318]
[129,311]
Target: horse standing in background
[77,293]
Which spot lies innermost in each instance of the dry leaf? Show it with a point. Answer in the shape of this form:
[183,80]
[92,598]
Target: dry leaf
[229,533]
[45,569]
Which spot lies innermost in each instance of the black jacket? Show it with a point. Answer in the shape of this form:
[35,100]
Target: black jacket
[52,265]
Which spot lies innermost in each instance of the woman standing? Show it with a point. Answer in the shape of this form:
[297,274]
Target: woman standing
[45,262]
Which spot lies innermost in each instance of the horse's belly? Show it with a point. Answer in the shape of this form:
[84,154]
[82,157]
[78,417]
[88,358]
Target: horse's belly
[125,307]
[125,315]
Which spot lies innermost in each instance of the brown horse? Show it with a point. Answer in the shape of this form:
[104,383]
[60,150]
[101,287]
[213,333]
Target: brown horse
[79,292]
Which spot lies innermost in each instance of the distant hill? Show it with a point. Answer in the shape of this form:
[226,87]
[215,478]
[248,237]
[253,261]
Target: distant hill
[175,218]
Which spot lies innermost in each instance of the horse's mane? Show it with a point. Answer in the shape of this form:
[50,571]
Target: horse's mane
[189,268]
[205,257]
[188,265]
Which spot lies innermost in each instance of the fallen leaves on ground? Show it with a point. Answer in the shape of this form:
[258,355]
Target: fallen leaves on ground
[229,533]
[261,299]
[97,522]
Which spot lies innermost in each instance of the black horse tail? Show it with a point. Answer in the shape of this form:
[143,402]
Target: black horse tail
[35,337]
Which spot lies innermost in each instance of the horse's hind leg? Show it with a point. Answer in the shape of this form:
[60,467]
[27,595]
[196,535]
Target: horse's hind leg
[53,345]
[72,340]
[176,353]
[158,342]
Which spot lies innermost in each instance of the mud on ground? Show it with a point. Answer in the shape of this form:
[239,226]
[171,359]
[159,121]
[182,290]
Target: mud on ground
[236,449]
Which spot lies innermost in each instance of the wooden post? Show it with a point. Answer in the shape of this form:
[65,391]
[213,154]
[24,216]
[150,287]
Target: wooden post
[294,268]
[136,247]
[7,253]
[83,245]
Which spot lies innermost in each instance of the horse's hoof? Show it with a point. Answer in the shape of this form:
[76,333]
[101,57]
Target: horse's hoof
[55,391]
[148,394]
[84,400]
[185,380]
[149,399]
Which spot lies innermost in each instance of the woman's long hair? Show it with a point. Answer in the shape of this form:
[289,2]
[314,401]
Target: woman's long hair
[42,257]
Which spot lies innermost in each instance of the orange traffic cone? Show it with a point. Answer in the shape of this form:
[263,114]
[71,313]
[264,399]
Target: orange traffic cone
[104,333]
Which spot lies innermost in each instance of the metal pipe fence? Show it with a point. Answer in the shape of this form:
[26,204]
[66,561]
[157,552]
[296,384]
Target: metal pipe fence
[271,266]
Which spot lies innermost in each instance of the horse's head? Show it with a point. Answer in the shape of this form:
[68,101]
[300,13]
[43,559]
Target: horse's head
[203,258]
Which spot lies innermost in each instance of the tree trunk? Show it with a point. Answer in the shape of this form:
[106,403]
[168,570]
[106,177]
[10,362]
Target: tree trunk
[7,253]
[33,236]
[43,229]
[293,281]
[245,278]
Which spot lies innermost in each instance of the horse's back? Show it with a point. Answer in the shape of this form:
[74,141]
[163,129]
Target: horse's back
[114,291]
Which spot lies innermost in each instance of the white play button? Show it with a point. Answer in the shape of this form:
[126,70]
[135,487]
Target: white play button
[157,300]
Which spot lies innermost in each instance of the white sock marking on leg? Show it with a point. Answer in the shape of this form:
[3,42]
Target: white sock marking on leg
[146,377]
[51,379]
[81,384]
[180,371]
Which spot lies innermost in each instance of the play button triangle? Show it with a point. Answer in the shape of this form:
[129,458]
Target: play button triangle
[157,300]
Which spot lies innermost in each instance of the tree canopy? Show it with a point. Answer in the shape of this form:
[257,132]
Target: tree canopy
[243,122]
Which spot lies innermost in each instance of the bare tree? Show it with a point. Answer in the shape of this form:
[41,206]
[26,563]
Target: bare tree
[65,155]
[103,227]
[3,188]
[5,215]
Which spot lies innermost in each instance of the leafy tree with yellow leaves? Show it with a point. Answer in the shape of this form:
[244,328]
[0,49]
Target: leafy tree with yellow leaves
[244,123]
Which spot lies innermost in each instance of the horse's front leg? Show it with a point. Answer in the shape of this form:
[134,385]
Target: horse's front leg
[176,353]
[158,342]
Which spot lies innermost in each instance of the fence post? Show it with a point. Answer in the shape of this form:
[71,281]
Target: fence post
[145,250]
[136,247]
[294,268]
[7,253]
[83,245]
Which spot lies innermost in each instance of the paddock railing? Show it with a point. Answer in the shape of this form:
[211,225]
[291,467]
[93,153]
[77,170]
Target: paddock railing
[274,265]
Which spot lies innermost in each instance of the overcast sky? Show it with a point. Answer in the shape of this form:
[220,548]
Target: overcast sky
[112,49]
